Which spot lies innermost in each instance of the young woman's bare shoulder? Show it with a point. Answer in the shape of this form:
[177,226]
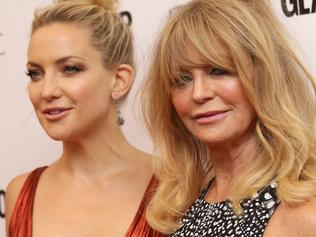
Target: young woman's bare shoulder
[12,191]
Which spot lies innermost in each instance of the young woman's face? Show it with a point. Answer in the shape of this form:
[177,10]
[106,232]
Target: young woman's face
[69,87]
[212,105]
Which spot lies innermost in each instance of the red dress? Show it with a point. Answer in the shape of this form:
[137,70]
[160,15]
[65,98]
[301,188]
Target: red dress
[21,219]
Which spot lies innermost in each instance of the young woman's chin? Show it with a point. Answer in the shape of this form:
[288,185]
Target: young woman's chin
[59,136]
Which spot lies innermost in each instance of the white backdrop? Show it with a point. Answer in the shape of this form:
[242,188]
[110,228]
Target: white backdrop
[24,145]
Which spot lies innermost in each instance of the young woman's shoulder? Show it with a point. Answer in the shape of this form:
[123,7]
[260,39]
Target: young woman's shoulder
[12,191]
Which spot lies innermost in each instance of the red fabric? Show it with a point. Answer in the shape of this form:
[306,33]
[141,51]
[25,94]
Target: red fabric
[21,219]
[139,226]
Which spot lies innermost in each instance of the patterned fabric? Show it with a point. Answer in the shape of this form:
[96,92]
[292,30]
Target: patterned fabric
[21,219]
[205,219]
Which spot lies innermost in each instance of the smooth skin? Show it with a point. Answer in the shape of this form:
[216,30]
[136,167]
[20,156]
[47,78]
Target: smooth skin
[96,186]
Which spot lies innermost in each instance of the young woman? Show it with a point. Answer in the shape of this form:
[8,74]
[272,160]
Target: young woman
[80,64]
[232,111]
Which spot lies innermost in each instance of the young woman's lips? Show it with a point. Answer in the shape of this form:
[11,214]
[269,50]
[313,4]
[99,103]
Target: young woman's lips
[54,114]
[210,117]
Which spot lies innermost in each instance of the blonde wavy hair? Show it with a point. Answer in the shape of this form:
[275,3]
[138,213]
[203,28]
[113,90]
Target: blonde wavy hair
[280,89]
[108,32]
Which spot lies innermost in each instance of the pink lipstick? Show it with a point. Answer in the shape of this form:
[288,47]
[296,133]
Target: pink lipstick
[210,116]
[55,113]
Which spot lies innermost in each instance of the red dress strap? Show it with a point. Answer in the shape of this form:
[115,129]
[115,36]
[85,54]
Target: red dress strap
[21,218]
[139,226]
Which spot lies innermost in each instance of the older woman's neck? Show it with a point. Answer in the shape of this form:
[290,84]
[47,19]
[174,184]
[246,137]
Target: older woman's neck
[230,162]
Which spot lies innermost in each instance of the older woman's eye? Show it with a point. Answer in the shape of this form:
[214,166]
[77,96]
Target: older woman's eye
[34,75]
[217,72]
[182,80]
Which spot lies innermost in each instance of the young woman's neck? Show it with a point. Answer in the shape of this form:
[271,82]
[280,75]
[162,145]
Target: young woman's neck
[104,151]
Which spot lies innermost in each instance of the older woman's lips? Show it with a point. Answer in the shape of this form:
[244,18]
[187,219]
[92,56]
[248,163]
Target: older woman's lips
[55,114]
[210,117]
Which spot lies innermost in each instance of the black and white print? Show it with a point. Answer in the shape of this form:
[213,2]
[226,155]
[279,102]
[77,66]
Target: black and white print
[205,219]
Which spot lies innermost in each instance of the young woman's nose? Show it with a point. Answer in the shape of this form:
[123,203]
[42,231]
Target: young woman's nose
[50,88]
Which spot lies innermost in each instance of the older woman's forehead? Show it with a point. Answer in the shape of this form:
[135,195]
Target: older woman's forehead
[197,49]
[200,55]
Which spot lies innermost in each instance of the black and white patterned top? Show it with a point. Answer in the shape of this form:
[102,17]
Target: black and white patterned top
[205,219]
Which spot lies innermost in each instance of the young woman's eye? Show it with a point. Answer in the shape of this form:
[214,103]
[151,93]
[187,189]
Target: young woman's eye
[182,80]
[71,69]
[34,75]
[217,72]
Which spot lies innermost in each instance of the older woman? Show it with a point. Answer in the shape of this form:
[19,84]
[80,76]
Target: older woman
[231,109]
[80,64]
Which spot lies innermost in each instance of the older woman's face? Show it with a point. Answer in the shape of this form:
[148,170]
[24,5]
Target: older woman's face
[212,105]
